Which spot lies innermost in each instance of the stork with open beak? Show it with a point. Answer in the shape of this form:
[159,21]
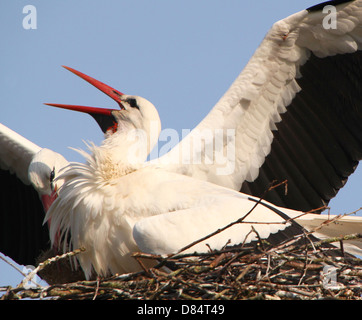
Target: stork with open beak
[116,203]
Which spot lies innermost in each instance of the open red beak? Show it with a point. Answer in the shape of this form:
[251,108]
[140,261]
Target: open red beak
[103,116]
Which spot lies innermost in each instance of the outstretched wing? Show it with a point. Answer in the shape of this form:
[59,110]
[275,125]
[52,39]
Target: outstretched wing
[294,113]
[22,236]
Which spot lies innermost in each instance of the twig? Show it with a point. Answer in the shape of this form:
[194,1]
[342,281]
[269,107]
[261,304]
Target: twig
[17,269]
[353,236]
[97,288]
[42,265]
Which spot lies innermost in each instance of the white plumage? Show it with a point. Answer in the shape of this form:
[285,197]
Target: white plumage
[16,153]
[31,163]
[113,207]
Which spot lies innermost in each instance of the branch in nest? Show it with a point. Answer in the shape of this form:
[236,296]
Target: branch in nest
[47,262]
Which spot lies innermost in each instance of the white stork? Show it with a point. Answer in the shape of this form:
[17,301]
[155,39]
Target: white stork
[296,115]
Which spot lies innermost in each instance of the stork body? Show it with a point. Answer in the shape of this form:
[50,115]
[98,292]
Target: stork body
[115,210]
[155,211]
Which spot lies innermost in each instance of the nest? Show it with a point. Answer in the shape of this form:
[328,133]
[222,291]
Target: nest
[286,271]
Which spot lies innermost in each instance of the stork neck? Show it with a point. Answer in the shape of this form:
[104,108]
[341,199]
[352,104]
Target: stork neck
[129,147]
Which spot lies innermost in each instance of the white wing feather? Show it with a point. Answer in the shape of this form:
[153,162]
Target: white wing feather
[342,226]
[16,153]
[264,89]
[169,232]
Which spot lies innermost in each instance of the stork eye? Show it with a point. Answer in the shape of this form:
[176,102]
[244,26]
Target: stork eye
[133,103]
[52,175]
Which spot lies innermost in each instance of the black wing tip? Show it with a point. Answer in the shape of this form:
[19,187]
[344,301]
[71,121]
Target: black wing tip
[320,6]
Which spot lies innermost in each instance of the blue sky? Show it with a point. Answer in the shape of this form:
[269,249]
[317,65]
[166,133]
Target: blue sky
[180,55]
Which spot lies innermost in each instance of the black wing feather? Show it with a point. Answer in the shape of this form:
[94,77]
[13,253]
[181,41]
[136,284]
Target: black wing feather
[22,213]
[319,141]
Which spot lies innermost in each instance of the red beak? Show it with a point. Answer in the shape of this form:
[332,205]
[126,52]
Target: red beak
[47,200]
[109,91]
[103,116]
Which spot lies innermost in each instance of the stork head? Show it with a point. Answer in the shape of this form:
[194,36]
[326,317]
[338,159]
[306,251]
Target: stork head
[134,112]
[43,171]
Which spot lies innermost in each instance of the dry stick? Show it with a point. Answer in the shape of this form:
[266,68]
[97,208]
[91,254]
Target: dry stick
[305,264]
[352,236]
[17,269]
[97,288]
[297,237]
[327,222]
[341,247]
[42,265]
[259,238]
